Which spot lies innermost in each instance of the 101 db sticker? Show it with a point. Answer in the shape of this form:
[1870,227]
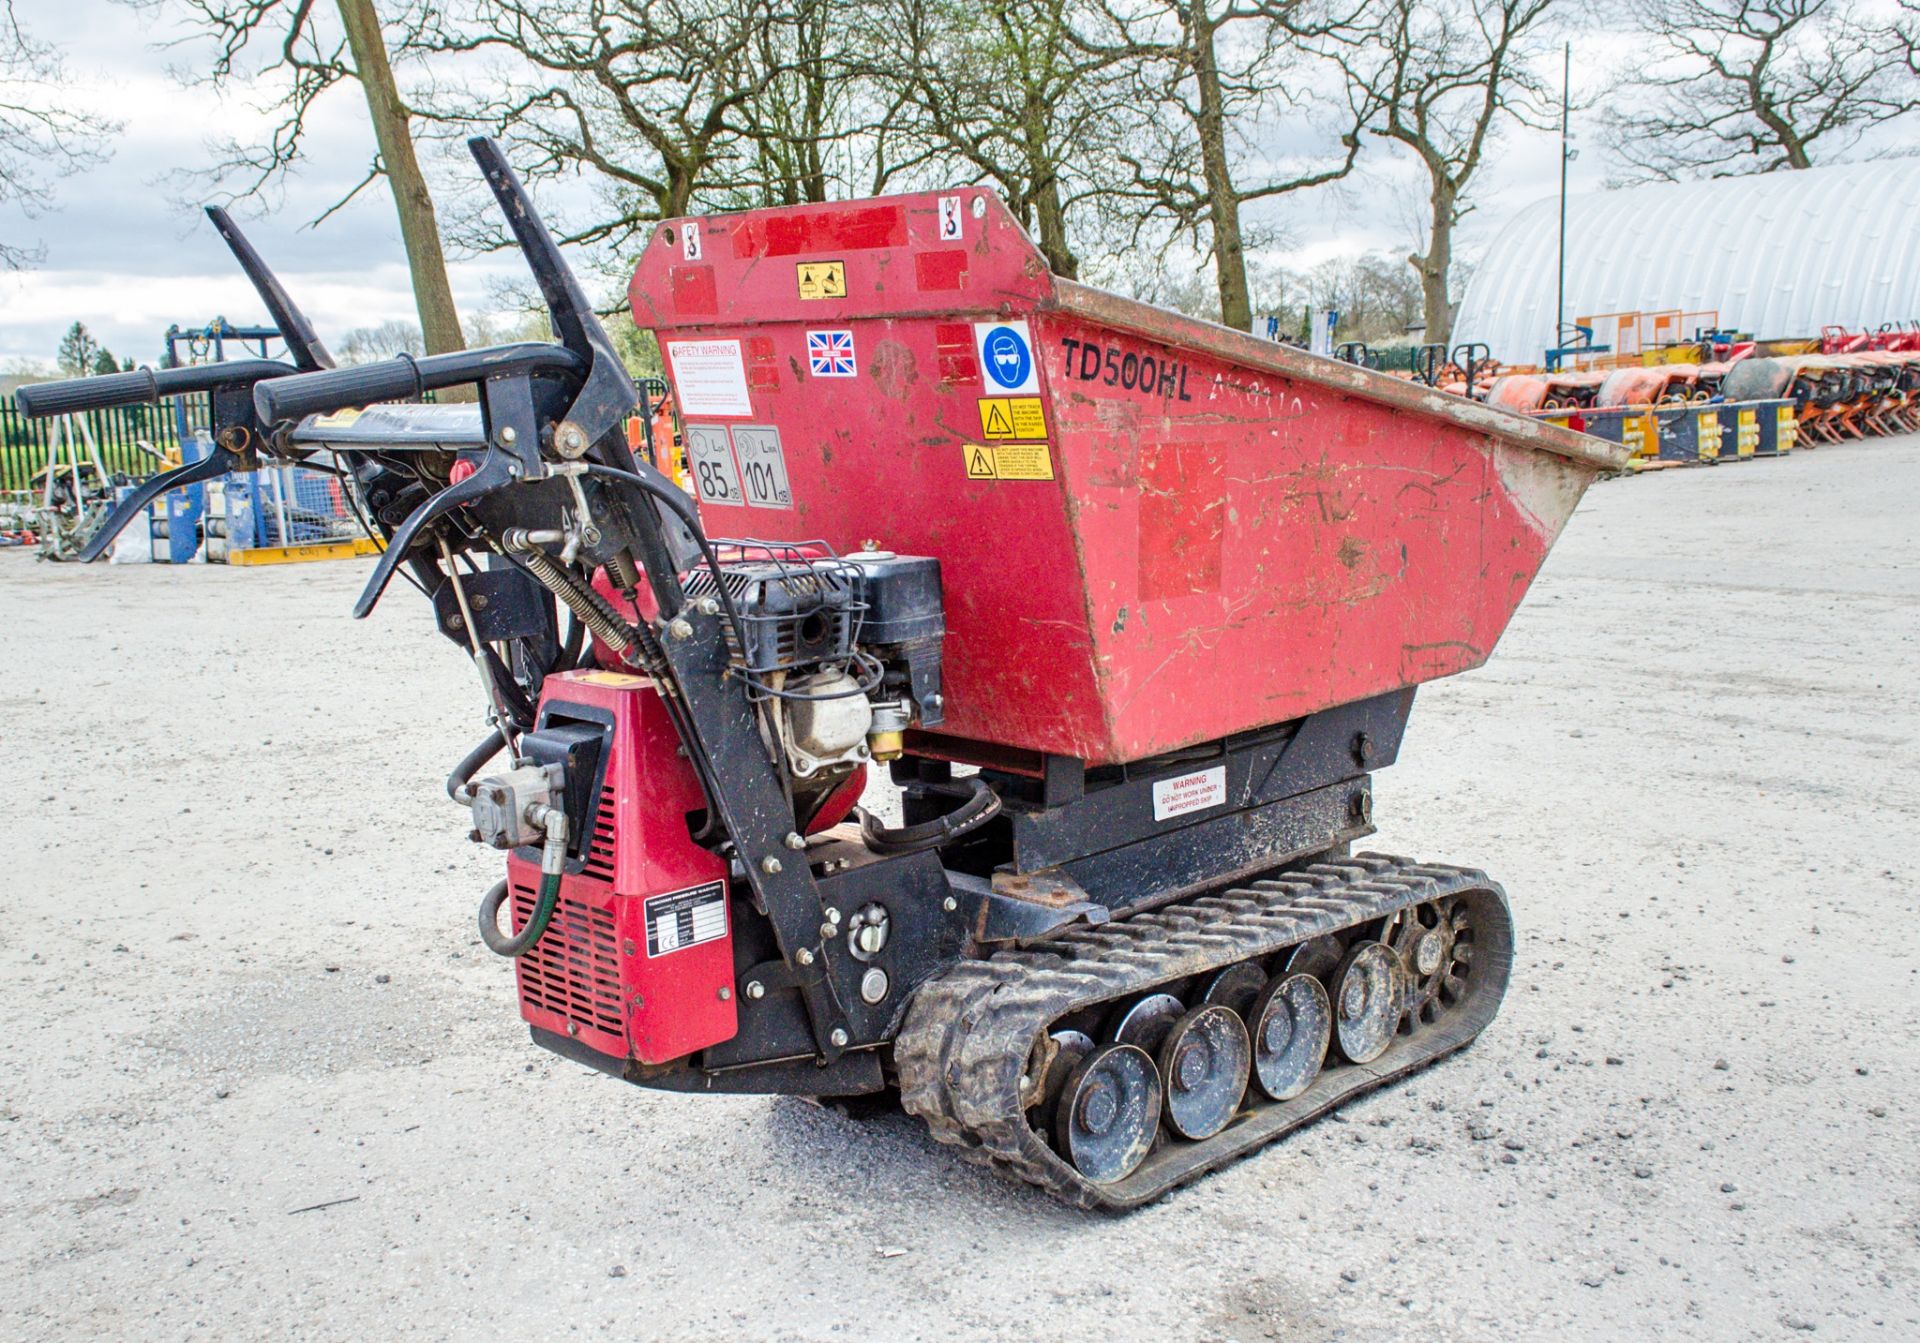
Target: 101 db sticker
[1190,792]
[744,465]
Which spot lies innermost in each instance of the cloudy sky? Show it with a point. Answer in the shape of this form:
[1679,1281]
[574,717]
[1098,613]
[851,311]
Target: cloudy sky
[126,252]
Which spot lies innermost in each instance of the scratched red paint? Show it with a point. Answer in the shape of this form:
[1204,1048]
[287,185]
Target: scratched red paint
[1236,534]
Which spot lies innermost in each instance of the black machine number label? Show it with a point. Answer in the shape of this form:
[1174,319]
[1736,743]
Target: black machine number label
[683,919]
[710,459]
[762,465]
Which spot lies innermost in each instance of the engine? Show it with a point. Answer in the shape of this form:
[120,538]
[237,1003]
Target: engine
[842,653]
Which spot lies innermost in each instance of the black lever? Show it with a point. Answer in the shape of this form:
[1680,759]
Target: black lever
[217,462]
[597,417]
[305,347]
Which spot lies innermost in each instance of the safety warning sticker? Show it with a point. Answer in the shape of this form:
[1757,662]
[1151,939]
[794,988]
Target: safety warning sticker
[690,240]
[822,279]
[709,377]
[683,919]
[952,223]
[1189,792]
[1008,461]
[1012,417]
[711,461]
[1006,353]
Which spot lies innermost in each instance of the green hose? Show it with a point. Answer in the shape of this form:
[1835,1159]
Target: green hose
[522,943]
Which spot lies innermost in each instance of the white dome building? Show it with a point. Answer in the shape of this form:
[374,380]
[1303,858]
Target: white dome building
[1777,254]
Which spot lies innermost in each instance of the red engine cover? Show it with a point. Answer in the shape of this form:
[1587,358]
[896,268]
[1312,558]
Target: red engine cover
[638,960]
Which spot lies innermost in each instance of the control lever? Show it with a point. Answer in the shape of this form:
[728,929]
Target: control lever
[215,464]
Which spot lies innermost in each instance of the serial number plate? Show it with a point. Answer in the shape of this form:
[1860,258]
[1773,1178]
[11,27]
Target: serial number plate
[686,918]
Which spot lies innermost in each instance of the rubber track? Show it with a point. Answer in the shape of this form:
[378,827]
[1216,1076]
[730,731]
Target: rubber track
[969,1033]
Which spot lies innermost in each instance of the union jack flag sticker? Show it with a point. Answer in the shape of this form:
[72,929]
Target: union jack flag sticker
[830,354]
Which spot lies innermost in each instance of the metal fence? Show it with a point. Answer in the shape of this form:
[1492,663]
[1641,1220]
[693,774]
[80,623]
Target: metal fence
[23,442]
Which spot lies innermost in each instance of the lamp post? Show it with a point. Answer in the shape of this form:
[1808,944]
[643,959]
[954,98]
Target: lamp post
[1560,292]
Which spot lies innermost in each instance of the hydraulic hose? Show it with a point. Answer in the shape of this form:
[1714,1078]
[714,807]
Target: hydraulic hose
[553,861]
[976,811]
[470,764]
[522,942]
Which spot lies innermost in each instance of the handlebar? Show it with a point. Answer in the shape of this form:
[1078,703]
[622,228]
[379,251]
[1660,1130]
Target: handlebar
[72,395]
[403,378]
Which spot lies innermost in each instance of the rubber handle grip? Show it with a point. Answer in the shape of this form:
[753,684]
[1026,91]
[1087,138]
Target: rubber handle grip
[402,378]
[334,389]
[76,394]
[72,395]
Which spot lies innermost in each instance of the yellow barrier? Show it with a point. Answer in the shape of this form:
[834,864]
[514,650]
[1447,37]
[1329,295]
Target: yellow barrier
[316,550]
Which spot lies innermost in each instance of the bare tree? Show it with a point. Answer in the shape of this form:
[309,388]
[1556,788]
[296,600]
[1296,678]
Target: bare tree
[1216,74]
[1445,76]
[1005,90]
[288,46]
[42,135]
[650,98]
[1741,86]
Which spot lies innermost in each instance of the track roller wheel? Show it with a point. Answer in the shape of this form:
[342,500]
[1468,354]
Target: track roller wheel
[1146,1021]
[1204,1063]
[1319,957]
[1367,1001]
[1054,1059]
[1236,987]
[1290,1024]
[1108,1113]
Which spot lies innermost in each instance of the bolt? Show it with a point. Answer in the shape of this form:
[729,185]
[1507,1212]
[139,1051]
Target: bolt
[934,701]
[770,865]
[833,917]
[949,904]
[571,441]
[680,629]
[793,841]
[725,994]
[873,985]
[827,931]
[756,990]
[804,956]
[507,434]
[573,1028]
[839,1038]
[709,606]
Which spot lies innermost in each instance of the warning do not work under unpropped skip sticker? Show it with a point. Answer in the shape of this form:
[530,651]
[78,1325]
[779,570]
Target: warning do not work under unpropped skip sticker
[1007,461]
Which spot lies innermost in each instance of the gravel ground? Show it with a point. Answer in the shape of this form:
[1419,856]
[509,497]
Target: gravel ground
[260,1079]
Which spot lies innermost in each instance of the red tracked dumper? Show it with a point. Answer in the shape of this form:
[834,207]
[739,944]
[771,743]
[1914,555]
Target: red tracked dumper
[1129,606]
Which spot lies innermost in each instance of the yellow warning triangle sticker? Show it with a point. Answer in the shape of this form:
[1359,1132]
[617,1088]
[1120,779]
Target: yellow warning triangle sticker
[979,465]
[998,425]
